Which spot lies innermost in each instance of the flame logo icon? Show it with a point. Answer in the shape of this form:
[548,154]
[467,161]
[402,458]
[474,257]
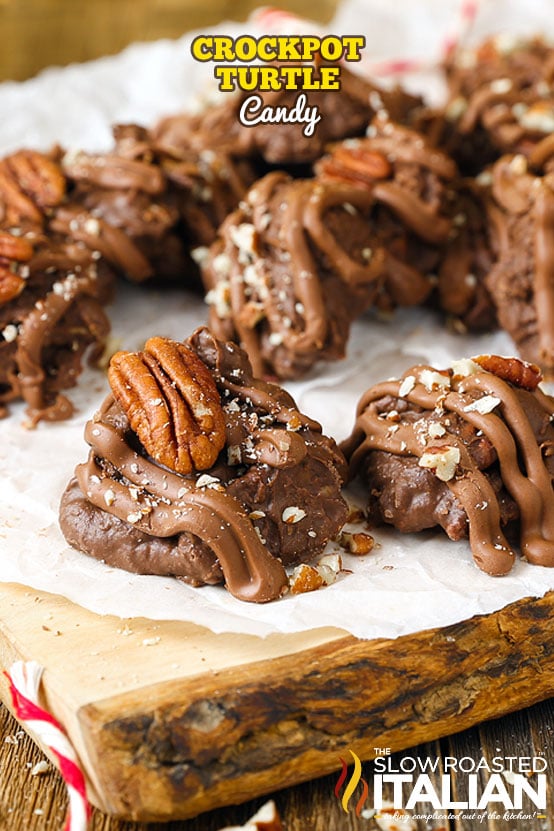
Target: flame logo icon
[355,779]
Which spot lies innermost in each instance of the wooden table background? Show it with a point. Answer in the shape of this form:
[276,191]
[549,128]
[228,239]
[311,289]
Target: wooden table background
[40,33]
[38,803]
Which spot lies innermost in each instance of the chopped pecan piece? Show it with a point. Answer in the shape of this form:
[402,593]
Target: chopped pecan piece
[172,403]
[305,578]
[357,543]
[443,460]
[514,370]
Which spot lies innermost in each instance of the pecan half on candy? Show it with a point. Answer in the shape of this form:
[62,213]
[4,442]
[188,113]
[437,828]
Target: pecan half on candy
[251,459]
[30,184]
[172,404]
[13,250]
[352,163]
[520,373]
[470,452]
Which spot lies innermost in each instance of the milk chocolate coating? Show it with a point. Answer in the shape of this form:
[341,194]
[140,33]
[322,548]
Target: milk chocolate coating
[345,112]
[204,182]
[301,259]
[521,215]
[47,329]
[57,317]
[150,203]
[106,537]
[291,269]
[501,99]
[432,224]
[120,203]
[504,437]
[466,261]
[229,527]
[207,185]
[413,215]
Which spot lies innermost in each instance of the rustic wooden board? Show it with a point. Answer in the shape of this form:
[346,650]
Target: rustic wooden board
[171,720]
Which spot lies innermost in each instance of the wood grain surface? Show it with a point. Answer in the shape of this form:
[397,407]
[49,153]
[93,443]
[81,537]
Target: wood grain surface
[171,720]
[40,33]
[38,802]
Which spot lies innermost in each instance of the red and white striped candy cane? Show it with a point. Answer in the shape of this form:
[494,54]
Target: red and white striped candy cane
[466,18]
[279,20]
[24,682]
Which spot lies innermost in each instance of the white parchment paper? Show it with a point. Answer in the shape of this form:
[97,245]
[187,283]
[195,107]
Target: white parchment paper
[409,582]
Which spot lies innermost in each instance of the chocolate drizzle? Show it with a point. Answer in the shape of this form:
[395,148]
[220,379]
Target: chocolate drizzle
[501,98]
[421,219]
[410,155]
[97,235]
[54,320]
[299,260]
[134,210]
[172,505]
[516,423]
[37,328]
[416,192]
[146,202]
[119,203]
[265,431]
[544,274]
[285,306]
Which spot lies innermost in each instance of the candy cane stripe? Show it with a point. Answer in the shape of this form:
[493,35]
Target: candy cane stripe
[50,733]
[24,682]
[277,19]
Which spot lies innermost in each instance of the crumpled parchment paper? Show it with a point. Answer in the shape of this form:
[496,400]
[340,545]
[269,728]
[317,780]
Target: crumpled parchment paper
[409,582]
